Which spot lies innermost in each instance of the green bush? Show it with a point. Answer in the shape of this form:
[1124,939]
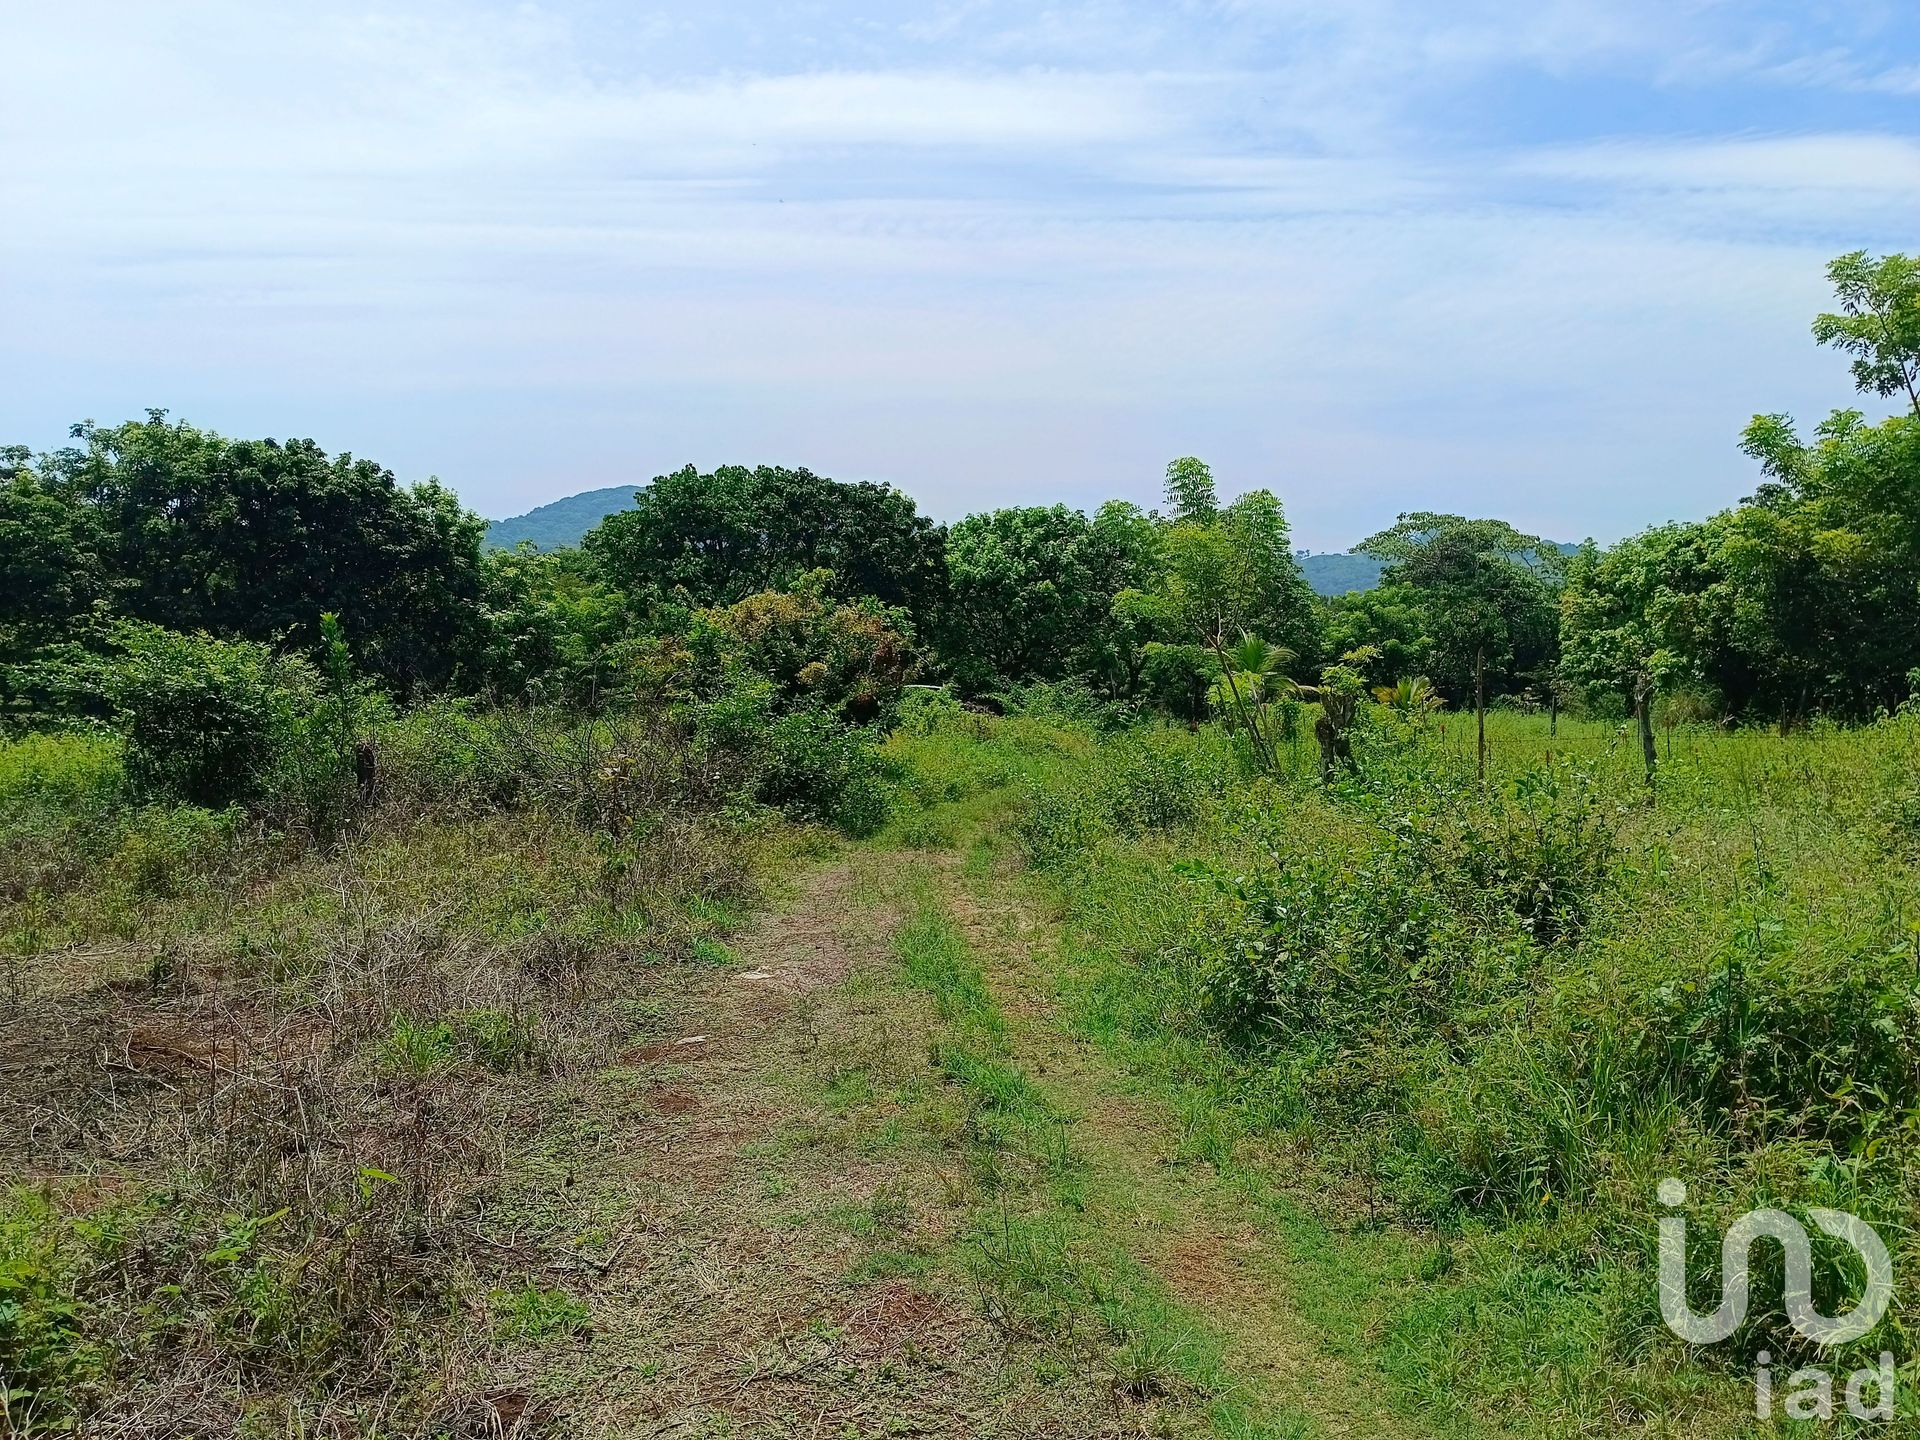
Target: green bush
[1544,853]
[813,767]
[804,762]
[163,847]
[67,770]
[208,722]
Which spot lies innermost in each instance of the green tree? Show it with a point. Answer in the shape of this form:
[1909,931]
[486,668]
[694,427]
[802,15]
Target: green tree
[53,569]
[1390,622]
[1022,598]
[553,630]
[849,658]
[257,538]
[1190,490]
[1238,573]
[1878,322]
[1489,595]
[738,531]
[1635,618]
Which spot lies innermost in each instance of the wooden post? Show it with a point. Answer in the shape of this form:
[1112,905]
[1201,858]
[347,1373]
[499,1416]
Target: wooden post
[1643,713]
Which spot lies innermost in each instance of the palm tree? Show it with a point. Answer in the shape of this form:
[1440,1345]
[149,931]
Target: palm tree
[1250,671]
[1410,695]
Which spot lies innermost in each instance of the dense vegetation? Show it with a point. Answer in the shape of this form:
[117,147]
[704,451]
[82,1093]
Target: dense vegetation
[273,717]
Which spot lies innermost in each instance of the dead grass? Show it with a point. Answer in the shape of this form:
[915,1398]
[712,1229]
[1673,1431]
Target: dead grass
[274,1129]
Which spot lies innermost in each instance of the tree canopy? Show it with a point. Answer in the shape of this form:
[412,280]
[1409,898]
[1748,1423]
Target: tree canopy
[722,536]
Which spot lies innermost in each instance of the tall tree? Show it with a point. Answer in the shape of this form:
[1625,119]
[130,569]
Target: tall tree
[1489,592]
[738,531]
[1237,573]
[1190,490]
[259,538]
[1022,597]
[1878,322]
[51,542]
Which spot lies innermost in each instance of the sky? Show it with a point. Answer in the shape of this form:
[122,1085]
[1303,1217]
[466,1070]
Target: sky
[1537,260]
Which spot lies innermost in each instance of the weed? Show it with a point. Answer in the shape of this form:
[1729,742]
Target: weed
[538,1314]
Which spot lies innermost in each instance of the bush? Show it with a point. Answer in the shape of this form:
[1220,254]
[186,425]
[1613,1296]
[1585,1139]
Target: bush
[814,768]
[208,722]
[804,762]
[1544,854]
[164,846]
[42,1351]
[72,770]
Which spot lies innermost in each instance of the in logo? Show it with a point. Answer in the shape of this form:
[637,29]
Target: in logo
[1811,1395]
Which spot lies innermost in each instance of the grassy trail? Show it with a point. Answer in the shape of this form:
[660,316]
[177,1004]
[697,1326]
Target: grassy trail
[865,1182]
[1195,1231]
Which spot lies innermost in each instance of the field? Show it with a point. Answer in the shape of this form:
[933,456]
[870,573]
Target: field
[1128,1084]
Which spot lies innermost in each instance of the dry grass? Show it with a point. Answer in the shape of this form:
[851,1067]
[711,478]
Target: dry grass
[264,1139]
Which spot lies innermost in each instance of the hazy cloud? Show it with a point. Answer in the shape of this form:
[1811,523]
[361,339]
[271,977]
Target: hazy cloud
[1538,259]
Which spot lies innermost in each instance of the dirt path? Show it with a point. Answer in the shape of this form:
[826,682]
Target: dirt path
[1195,1232]
[782,1199]
[775,1271]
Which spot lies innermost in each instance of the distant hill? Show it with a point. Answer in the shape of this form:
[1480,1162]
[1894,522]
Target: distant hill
[1341,574]
[564,521]
[1337,574]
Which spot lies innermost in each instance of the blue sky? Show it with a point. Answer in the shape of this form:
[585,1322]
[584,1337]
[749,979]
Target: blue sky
[1538,260]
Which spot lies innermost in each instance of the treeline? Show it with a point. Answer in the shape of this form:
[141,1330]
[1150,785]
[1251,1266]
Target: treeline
[1802,600]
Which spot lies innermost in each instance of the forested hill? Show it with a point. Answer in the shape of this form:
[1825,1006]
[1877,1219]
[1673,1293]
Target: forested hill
[1339,574]
[564,521]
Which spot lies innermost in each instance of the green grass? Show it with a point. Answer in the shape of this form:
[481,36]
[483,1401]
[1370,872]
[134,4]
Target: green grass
[1045,1262]
[1463,1126]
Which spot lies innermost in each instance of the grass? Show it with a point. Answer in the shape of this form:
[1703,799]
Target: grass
[1457,1131]
[293,1124]
[1047,1258]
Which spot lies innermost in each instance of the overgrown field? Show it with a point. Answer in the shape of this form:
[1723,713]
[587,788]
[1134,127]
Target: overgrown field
[283,1110]
[1494,1018]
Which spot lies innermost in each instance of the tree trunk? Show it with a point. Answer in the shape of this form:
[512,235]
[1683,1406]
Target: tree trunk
[1480,705]
[1643,713]
[1553,714]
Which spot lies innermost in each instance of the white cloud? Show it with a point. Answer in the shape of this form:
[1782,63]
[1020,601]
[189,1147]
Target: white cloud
[996,253]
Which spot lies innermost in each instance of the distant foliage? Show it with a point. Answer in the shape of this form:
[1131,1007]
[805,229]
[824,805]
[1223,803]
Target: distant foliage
[723,536]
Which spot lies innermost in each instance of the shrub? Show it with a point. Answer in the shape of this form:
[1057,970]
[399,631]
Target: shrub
[1544,854]
[206,721]
[493,1039]
[71,770]
[162,847]
[804,762]
[817,769]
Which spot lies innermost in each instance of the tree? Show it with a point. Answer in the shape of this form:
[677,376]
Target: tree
[1238,573]
[1631,618]
[258,538]
[1190,490]
[1878,322]
[1488,594]
[54,570]
[553,629]
[738,531]
[1390,621]
[1818,594]
[1022,599]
